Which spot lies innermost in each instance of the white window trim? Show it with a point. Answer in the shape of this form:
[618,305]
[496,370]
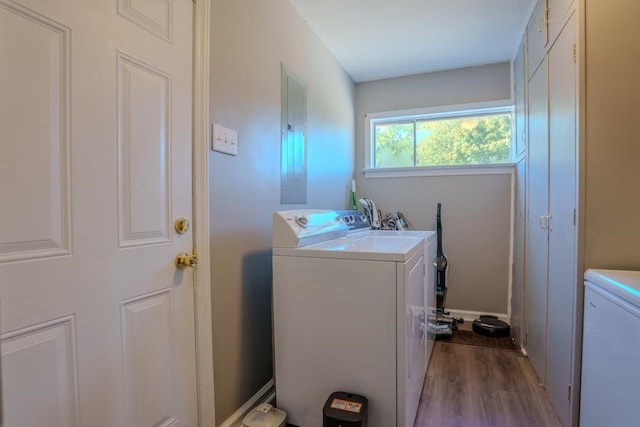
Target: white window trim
[434,112]
[491,169]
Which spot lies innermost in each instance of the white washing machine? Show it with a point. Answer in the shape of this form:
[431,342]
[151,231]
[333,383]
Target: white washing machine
[349,315]
[611,349]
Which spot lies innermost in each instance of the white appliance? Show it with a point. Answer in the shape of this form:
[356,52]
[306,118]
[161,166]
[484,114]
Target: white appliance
[349,315]
[359,225]
[611,349]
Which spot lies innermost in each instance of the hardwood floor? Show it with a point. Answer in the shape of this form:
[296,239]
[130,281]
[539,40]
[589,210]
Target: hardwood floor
[470,386]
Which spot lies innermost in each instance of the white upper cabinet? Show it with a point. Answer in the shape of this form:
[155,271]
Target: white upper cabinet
[558,11]
[519,83]
[537,37]
[545,24]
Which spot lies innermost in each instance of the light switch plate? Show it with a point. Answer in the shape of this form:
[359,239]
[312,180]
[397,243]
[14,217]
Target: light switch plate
[225,140]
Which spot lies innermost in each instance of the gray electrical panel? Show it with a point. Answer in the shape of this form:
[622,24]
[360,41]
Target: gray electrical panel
[293,164]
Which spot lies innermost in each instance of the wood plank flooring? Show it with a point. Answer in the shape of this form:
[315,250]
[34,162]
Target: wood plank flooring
[469,386]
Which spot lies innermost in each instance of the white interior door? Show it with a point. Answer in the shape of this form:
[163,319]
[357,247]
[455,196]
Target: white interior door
[95,127]
[537,235]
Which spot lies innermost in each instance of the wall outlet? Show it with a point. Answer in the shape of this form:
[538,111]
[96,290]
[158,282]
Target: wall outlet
[225,140]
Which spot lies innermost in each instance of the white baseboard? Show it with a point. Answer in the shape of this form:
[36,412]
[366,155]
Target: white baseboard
[470,316]
[266,394]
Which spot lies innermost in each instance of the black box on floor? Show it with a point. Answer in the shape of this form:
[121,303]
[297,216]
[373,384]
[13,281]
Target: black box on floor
[344,409]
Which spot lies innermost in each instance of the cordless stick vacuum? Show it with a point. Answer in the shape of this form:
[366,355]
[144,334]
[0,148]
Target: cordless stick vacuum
[445,324]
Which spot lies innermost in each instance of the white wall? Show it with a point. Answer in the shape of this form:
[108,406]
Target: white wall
[476,209]
[250,39]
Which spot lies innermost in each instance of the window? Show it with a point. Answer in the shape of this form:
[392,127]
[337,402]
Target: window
[459,136]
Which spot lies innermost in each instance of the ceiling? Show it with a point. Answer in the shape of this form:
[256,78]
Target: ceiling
[376,39]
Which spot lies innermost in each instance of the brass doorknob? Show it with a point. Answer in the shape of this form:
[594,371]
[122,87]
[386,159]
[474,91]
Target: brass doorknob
[184,260]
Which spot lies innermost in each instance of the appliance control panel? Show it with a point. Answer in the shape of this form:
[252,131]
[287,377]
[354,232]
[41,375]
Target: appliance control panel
[298,228]
[355,220]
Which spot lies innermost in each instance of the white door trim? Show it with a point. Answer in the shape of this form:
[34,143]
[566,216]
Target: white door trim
[202,277]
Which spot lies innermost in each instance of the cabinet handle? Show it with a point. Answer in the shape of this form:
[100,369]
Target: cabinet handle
[544,222]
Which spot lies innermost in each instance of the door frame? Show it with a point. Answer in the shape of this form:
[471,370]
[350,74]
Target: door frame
[202,276]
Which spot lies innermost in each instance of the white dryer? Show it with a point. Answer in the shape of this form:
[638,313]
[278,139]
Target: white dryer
[348,315]
[359,226]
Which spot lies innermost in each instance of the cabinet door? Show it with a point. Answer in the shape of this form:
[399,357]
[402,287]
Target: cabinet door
[537,37]
[562,233]
[517,295]
[519,83]
[537,236]
[558,10]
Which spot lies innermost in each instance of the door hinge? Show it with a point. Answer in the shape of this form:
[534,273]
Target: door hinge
[546,15]
[575,53]
[569,392]
[574,216]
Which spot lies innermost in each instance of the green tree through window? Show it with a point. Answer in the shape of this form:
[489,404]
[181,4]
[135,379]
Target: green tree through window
[467,140]
[394,144]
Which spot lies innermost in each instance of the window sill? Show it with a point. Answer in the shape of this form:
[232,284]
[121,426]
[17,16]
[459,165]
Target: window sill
[497,169]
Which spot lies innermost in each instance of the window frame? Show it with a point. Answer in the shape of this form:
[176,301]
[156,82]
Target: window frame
[431,113]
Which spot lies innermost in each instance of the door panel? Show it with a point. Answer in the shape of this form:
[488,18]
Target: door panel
[143,158]
[97,322]
[537,236]
[562,236]
[153,16]
[147,357]
[36,50]
[40,365]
